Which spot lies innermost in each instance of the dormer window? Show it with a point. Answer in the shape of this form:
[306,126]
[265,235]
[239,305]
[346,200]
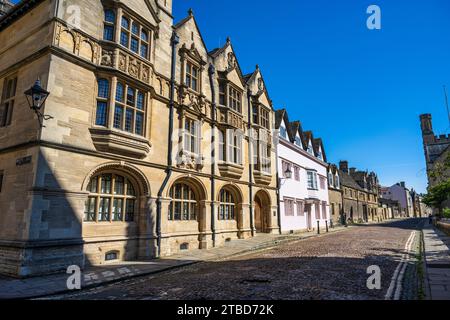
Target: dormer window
[330,179]
[319,155]
[283,133]
[310,149]
[298,141]
[192,76]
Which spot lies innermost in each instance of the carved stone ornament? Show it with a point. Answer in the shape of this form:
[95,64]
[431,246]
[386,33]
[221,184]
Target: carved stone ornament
[232,63]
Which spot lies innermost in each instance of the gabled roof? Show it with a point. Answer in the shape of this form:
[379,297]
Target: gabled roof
[218,51]
[187,19]
[348,181]
[318,145]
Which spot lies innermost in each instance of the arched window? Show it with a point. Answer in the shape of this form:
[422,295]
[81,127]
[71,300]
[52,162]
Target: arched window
[112,198]
[227,207]
[109,25]
[184,203]
[102,102]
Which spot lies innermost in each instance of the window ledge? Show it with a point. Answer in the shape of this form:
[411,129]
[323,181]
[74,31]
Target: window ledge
[262,177]
[231,170]
[107,140]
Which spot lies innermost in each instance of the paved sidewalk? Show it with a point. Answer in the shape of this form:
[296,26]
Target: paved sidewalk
[11,288]
[437,255]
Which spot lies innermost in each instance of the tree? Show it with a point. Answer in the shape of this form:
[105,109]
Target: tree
[437,195]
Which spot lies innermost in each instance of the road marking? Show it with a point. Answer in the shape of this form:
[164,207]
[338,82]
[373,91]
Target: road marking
[397,278]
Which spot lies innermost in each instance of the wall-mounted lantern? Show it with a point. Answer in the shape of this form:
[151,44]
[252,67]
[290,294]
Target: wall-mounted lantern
[36,97]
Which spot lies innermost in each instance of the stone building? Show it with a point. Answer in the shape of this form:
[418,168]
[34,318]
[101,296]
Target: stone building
[400,193]
[360,194]
[156,144]
[304,201]
[437,152]
[5,6]
[336,195]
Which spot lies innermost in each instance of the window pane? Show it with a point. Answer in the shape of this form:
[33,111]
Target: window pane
[129,120]
[110,16]
[125,23]
[140,101]
[134,45]
[185,211]
[130,189]
[130,210]
[131,94]
[144,35]
[193,211]
[144,51]
[177,211]
[103,211]
[135,28]
[119,185]
[119,92]
[92,187]
[118,116]
[106,184]
[100,117]
[103,88]
[108,33]
[139,123]
[89,211]
[124,39]
[117,210]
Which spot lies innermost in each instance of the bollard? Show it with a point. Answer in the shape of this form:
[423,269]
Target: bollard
[326,225]
[318,227]
[331,224]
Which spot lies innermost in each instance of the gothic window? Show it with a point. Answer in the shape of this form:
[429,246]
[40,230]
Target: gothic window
[7,103]
[112,198]
[109,25]
[192,136]
[135,37]
[184,203]
[192,76]
[129,109]
[227,207]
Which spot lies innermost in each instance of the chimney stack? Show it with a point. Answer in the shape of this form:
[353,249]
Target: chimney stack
[343,166]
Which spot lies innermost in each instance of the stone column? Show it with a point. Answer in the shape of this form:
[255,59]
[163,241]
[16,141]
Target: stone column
[204,224]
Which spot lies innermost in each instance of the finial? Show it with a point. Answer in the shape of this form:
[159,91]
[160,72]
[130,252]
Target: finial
[228,40]
[257,67]
[190,12]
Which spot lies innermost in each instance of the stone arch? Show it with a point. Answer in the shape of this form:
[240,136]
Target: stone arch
[67,41]
[262,205]
[236,191]
[197,185]
[125,168]
[86,50]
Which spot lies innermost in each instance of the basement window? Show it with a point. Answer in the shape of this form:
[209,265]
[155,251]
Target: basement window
[111,256]
[184,246]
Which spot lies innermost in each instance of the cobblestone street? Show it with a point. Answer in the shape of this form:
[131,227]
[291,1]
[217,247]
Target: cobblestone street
[332,266]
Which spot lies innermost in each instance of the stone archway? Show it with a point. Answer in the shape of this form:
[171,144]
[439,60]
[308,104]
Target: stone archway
[262,205]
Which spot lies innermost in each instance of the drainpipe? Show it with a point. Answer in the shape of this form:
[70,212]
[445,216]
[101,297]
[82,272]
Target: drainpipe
[174,41]
[250,157]
[211,72]
[278,185]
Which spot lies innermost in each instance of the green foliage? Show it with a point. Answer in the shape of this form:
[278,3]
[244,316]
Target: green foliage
[446,213]
[438,194]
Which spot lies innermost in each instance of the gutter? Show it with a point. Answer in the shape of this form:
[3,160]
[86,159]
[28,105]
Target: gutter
[250,162]
[211,72]
[174,42]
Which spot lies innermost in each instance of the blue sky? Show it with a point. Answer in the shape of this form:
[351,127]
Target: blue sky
[362,91]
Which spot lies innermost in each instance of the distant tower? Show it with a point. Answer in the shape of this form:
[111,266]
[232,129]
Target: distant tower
[5,6]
